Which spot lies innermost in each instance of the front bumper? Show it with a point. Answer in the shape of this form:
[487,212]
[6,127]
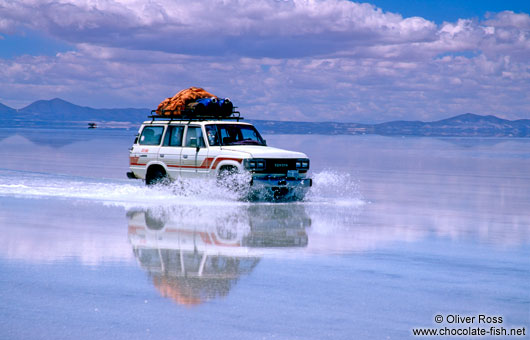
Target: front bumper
[280,182]
[279,188]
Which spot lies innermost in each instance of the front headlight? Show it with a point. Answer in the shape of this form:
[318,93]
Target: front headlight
[302,164]
[254,164]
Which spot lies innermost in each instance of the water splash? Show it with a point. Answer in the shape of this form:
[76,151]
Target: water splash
[329,187]
[335,187]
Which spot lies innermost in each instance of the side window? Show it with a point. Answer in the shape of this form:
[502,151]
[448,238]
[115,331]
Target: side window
[224,135]
[213,135]
[151,135]
[174,136]
[194,137]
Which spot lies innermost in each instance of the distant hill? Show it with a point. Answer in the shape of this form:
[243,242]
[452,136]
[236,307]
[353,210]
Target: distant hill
[60,113]
[51,112]
[323,128]
[6,109]
[465,125]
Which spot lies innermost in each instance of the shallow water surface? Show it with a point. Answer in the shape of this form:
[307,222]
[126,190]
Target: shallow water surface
[394,232]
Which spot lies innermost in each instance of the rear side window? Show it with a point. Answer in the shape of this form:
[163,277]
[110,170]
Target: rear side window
[194,137]
[174,136]
[151,135]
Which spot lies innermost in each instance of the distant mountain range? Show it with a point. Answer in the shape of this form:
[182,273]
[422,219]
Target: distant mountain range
[60,113]
[465,125]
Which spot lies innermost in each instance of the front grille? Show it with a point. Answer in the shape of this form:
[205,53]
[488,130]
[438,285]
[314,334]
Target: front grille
[279,165]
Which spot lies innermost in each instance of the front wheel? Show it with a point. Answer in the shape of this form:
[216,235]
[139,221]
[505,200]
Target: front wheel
[230,178]
[156,176]
[227,177]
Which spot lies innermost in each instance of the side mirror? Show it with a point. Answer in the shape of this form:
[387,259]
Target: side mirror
[265,142]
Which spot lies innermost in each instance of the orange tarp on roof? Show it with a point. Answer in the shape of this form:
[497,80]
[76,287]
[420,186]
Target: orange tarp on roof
[176,104]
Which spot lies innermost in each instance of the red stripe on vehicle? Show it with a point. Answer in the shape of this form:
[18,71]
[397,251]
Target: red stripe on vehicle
[220,159]
[219,243]
[134,228]
[206,163]
[205,238]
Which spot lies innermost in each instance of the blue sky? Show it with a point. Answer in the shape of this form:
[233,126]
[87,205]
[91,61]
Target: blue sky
[451,10]
[289,60]
[31,42]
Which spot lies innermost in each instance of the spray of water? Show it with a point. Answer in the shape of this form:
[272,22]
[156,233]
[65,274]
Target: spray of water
[329,188]
[324,216]
[334,187]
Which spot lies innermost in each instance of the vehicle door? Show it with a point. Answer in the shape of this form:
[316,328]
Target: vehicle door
[148,145]
[194,154]
[171,149]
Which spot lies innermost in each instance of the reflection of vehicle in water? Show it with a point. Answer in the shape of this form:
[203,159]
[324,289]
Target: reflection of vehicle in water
[194,255]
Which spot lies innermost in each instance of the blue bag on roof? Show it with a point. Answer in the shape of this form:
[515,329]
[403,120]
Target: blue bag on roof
[226,107]
[213,106]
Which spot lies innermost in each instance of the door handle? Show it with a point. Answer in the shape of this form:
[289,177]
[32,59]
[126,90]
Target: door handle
[185,156]
[162,155]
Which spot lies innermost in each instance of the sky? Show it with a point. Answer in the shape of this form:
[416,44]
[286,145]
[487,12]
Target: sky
[303,60]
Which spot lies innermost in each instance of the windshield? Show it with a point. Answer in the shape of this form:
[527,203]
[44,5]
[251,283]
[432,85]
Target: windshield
[233,134]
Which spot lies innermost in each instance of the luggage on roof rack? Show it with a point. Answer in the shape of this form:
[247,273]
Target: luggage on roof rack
[195,101]
[222,107]
[179,101]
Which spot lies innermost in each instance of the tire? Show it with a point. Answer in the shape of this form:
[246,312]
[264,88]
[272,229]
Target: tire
[154,223]
[156,176]
[226,176]
[229,178]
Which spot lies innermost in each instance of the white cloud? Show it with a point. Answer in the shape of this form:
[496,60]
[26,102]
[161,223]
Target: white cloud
[237,27]
[294,89]
[299,60]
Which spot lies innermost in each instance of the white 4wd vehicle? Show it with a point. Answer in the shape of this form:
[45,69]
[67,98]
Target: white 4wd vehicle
[169,149]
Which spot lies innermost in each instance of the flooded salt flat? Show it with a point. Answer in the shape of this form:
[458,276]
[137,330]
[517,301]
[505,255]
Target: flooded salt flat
[394,232]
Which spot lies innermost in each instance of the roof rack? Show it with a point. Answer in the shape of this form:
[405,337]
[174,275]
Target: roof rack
[188,115]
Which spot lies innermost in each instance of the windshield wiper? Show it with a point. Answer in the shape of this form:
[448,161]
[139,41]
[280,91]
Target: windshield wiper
[246,142]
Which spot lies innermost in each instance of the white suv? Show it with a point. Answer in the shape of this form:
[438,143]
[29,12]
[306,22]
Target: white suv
[168,149]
